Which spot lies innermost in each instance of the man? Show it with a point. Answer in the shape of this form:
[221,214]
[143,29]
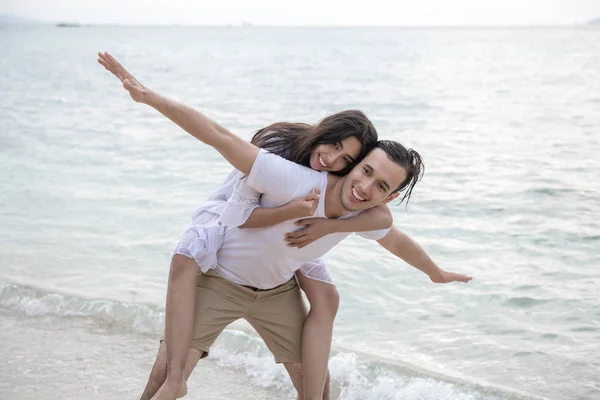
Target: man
[254,275]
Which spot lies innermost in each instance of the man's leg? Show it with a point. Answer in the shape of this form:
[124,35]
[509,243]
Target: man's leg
[218,302]
[294,370]
[179,324]
[278,317]
[327,390]
[159,370]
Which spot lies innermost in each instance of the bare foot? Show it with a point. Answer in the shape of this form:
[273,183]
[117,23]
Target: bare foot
[171,390]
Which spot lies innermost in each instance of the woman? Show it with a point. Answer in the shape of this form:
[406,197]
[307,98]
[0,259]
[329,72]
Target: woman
[333,145]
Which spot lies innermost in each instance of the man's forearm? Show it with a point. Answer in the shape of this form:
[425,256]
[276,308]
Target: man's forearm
[237,151]
[402,246]
[371,220]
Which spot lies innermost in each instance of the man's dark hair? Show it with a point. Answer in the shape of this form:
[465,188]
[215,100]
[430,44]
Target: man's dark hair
[409,159]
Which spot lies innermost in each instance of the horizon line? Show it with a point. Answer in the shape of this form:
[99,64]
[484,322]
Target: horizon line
[248,24]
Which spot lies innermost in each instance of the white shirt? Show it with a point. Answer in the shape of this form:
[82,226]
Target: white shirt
[233,202]
[260,257]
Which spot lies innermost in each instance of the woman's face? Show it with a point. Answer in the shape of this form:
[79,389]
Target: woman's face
[337,156]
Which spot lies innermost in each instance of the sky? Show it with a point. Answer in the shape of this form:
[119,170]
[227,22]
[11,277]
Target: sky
[309,12]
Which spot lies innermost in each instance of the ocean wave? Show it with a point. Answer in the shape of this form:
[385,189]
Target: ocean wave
[524,302]
[353,376]
[32,301]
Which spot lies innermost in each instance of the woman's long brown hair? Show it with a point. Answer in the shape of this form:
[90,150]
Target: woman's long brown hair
[296,141]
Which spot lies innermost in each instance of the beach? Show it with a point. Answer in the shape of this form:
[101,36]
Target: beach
[54,358]
[95,191]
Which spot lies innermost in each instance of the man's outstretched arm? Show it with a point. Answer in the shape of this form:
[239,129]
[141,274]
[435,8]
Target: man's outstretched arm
[402,246]
[236,151]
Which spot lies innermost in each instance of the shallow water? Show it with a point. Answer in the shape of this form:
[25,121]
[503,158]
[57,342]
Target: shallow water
[97,189]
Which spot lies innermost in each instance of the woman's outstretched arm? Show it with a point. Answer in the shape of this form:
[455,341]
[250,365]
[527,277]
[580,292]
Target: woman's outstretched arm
[236,151]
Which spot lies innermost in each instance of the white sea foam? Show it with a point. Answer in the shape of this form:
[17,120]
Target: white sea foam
[352,378]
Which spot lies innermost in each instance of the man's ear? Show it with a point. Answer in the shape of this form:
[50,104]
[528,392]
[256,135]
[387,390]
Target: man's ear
[391,197]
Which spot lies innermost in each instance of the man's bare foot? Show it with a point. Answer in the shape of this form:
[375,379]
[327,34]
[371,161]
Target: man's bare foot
[171,390]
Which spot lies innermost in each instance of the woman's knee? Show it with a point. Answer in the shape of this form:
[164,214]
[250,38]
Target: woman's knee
[326,299]
[182,265]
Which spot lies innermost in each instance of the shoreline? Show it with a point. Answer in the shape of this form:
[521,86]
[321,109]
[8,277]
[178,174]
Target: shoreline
[130,331]
[50,357]
[47,358]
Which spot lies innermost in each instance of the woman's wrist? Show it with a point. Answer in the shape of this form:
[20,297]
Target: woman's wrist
[149,97]
[292,211]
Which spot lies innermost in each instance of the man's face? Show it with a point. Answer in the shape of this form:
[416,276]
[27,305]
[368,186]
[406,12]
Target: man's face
[372,182]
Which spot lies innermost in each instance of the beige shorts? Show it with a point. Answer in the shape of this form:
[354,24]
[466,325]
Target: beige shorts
[276,314]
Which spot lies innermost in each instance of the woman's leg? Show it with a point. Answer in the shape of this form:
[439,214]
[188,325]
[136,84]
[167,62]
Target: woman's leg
[317,333]
[179,324]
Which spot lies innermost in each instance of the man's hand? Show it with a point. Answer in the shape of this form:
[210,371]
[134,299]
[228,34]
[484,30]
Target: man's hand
[314,228]
[136,90]
[447,277]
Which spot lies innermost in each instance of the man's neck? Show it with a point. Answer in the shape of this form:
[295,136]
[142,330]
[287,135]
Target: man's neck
[333,196]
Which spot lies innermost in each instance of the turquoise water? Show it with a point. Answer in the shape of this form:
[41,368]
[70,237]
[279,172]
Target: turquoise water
[95,191]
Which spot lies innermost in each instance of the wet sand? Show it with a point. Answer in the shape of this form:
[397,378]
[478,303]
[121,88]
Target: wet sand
[47,358]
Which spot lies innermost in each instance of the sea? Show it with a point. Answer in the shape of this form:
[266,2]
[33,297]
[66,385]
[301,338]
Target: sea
[95,191]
